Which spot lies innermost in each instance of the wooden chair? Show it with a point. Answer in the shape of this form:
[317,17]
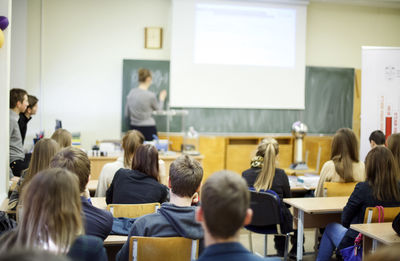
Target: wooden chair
[132,210]
[372,214]
[338,189]
[162,248]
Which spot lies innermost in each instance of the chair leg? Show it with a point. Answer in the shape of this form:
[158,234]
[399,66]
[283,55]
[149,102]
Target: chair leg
[250,242]
[265,245]
[285,255]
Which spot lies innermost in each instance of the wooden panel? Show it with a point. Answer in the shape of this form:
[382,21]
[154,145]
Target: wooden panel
[357,104]
[213,150]
[311,146]
[238,157]
[96,165]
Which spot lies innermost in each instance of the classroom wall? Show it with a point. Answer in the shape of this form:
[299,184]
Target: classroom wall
[5,10]
[83,51]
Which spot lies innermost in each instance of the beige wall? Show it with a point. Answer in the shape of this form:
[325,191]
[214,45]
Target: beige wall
[335,33]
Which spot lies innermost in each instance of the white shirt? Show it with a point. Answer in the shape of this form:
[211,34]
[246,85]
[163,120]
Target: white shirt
[109,170]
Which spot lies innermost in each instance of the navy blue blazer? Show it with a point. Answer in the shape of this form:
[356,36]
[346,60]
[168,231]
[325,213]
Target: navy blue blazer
[229,252]
[87,248]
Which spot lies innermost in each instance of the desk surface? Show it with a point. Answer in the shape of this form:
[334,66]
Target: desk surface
[115,240]
[382,232]
[318,205]
[99,202]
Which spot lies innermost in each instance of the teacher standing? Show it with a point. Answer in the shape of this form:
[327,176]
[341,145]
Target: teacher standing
[140,104]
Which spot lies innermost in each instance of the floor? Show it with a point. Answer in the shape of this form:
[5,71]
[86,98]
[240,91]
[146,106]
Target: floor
[258,243]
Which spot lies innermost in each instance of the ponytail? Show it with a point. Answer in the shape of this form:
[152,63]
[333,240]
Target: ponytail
[268,149]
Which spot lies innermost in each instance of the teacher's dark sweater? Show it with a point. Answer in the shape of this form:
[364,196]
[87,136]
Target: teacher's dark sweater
[134,187]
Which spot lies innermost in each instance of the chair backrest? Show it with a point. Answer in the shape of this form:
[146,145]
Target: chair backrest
[266,209]
[372,214]
[132,210]
[338,189]
[162,249]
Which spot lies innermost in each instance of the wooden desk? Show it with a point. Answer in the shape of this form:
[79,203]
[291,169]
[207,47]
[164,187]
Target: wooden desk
[92,185]
[115,240]
[375,234]
[314,213]
[293,172]
[99,202]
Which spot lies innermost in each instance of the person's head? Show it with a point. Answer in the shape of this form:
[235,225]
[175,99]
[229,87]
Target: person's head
[265,158]
[145,77]
[377,138]
[225,202]
[146,161]
[130,142]
[63,137]
[50,213]
[344,153]
[18,99]
[43,151]
[394,146]
[76,161]
[33,105]
[31,255]
[382,173]
[185,175]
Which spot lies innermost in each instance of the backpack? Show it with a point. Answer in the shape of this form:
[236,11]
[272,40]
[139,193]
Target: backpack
[6,223]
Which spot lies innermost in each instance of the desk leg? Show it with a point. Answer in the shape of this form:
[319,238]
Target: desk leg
[374,245]
[367,246]
[300,233]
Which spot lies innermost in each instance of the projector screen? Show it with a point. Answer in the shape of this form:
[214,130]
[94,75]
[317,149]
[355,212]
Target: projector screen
[237,54]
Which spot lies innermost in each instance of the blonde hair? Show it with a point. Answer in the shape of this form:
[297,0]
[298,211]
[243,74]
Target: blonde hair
[63,137]
[51,213]
[43,152]
[130,142]
[268,149]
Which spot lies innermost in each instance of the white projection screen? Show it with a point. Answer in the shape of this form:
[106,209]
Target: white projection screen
[237,54]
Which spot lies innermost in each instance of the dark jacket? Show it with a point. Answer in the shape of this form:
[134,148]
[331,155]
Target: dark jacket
[97,222]
[228,252]
[280,184]
[169,221]
[396,224]
[87,248]
[134,187]
[23,125]
[353,213]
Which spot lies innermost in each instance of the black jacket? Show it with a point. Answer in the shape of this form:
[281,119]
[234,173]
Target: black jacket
[353,213]
[134,187]
[280,184]
[97,222]
[23,125]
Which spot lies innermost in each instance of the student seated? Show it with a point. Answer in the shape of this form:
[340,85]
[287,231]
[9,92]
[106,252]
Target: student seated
[176,218]
[394,146]
[130,142]
[51,218]
[26,116]
[18,104]
[97,222]
[377,138]
[141,184]
[43,152]
[344,165]
[63,138]
[381,188]
[264,175]
[224,210]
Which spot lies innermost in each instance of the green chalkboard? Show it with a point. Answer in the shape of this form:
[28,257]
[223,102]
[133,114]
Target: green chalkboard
[328,104]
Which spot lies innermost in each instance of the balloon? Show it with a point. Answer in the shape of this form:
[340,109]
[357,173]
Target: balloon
[3,23]
[1,38]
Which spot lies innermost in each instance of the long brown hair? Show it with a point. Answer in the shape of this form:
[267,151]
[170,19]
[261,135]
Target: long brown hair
[268,149]
[43,152]
[344,153]
[63,137]
[51,212]
[130,142]
[146,161]
[382,174]
[394,146]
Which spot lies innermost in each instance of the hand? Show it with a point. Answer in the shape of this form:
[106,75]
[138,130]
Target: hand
[163,95]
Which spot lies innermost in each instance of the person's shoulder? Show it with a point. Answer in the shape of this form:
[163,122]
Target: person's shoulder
[329,164]
[280,172]
[251,171]
[87,248]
